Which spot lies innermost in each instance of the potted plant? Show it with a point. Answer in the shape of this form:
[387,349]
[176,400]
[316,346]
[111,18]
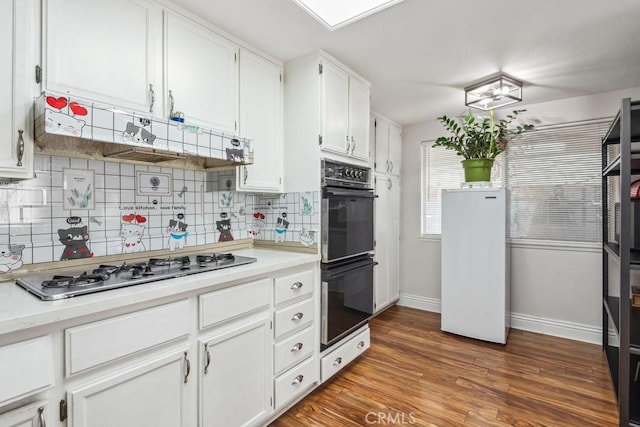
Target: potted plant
[479,140]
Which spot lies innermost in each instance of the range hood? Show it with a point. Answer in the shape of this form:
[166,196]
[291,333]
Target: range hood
[78,128]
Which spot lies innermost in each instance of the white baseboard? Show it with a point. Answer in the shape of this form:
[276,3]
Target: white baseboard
[419,302]
[525,322]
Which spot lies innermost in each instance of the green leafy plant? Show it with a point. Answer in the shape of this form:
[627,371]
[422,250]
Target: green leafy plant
[476,137]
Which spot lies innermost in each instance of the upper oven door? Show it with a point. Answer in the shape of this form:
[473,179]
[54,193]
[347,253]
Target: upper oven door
[347,223]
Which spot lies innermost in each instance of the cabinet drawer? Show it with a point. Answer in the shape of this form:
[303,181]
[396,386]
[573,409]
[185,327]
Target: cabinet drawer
[234,301]
[294,349]
[106,340]
[340,357]
[294,317]
[295,381]
[26,368]
[293,286]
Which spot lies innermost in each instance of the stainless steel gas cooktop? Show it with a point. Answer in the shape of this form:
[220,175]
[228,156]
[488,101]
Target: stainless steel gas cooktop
[107,277]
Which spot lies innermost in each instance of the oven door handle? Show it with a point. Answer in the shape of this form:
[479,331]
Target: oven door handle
[351,193]
[332,273]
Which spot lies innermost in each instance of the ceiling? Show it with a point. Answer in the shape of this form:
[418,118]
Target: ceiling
[419,54]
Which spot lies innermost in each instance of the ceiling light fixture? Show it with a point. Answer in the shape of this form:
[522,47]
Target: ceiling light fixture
[492,92]
[334,14]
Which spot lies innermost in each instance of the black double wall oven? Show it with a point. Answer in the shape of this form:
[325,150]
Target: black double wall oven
[347,250]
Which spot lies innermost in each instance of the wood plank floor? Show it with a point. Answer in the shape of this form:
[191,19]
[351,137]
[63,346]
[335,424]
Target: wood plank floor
[414,374]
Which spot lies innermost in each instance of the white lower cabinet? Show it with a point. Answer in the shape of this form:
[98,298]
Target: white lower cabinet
[340,357]
[32,415]
[295,381]
[235,375]
[296,338]
[26,368]
[387,239]
[152,393]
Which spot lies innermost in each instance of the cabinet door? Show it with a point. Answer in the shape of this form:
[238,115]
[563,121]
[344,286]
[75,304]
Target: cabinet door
[33,415]
[393,241]
[236,376]
[395,149]
[202,74]
[261,121]
[382,231]
[335,109]
[149,394]
[359,119]
[17,87]
[104,51]
[382,146]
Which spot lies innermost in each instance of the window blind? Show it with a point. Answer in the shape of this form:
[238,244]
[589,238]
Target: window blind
[554,178]
[441,169]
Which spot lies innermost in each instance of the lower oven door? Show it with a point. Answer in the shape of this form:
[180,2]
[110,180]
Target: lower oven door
[347,298]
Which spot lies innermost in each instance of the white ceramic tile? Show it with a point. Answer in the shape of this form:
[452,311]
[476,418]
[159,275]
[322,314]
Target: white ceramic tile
[112,182]
[42,254]
[102,118]
[57,163]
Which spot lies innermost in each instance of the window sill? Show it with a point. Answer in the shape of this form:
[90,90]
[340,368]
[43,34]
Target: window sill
[535,244]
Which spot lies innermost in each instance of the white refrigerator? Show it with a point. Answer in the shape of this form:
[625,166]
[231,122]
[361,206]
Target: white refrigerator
[475,264]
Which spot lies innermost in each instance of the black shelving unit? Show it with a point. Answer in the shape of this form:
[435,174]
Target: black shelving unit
[624,360]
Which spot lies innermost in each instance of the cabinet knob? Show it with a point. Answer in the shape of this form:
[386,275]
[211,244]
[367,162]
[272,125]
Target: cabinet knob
[387,162]
[246,174]
[391,170]
[296,285]
[20,148]
[348,145]
[360,344]
[297,380]
[353,145]
[297,347]
[297,316]
[338,361]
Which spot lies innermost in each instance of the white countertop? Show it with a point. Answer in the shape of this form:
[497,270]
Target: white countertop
[21,310]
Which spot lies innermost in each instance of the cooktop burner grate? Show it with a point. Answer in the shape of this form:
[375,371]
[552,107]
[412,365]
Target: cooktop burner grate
[106,277]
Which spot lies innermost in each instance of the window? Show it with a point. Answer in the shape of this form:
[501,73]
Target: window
[441,169]
[554,178]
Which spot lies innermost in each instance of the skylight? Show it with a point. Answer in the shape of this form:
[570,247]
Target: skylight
[334,14]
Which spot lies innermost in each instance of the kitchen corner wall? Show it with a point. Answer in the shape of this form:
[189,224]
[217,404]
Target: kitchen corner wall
[78,208]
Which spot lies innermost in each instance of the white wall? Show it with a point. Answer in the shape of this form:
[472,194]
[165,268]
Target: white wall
[554,291]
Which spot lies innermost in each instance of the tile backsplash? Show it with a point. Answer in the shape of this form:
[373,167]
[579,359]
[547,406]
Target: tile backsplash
[77,208]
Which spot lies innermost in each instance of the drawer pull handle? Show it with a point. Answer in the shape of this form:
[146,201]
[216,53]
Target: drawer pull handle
[208,355]
[297,347]
[186,375]
[296,285]
[20,148]
[297,380]
[361,344]
[338,361]
[152,95]
[41,417]
[297,316]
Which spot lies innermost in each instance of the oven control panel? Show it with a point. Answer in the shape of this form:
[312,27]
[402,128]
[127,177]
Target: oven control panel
[344,174]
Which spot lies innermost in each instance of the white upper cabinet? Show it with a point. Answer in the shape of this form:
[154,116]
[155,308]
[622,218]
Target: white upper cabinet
[202,74]
[261,121]
[19,35]
[107,51]
[345,112]
[359,106]
[335,109]
[388,146]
